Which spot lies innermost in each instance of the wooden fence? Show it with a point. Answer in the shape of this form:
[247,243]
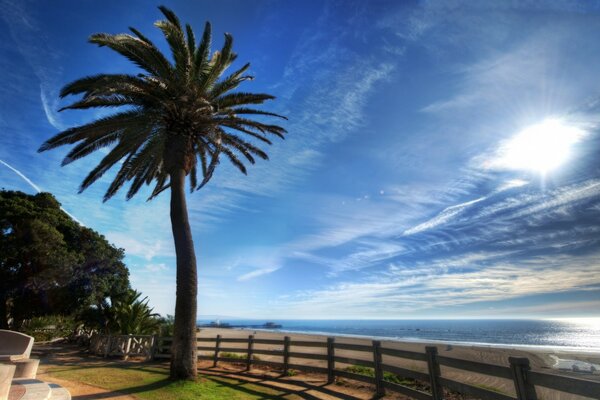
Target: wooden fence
[123,345]
[381,360]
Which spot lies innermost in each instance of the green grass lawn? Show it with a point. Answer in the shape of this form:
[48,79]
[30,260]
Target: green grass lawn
[151,382]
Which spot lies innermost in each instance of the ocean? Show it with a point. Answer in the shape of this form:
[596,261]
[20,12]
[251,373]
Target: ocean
[580,334]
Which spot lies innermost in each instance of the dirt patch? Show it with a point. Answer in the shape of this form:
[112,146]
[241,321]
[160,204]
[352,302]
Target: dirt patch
[57,354]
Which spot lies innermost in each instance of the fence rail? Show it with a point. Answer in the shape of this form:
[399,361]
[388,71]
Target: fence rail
[432,382]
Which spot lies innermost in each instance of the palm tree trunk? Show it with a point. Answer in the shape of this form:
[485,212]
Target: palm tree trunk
[3,312]
[183,349]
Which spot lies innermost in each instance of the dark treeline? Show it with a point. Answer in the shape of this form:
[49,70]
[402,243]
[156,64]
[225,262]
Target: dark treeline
[51,265]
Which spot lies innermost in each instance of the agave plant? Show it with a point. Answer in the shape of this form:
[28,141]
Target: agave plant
[130,315]
[179,118]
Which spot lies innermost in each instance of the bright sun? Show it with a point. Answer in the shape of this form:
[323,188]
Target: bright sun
[541,147]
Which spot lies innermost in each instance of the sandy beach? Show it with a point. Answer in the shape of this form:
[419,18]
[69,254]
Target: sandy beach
[542,359]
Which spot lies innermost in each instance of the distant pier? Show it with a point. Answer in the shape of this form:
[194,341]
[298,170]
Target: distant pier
[218,324]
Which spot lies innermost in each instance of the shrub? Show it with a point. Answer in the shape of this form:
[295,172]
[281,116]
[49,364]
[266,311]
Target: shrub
[49,327]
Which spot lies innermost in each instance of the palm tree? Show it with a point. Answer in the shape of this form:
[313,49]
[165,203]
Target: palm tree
[180,116]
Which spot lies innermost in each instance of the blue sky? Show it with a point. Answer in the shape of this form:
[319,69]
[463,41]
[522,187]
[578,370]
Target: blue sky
[400,192]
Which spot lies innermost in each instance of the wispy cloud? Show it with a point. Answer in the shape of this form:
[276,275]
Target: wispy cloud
[256,273]
[446,215]
[410,290]
[29,40]
[50,104]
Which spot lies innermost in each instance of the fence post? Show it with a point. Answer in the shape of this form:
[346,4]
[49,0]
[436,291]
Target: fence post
[153,347]
[217,347]
[519,367]
[377,364]
[330,359]
[107,348]
[250,348]
[286,354]
[127,348]
[434,373]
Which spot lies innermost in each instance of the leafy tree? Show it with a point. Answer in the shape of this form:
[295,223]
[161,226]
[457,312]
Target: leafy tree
[179,117]
[49,264]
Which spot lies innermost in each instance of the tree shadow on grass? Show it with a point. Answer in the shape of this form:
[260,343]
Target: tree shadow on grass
[270,383]
[163,383]
[236,382]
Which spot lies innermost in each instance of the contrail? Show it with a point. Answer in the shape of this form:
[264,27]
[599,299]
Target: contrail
[26,179]
[36,187]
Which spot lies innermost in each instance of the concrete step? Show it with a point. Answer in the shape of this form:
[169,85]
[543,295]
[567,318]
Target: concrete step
[34,389]
[59,392]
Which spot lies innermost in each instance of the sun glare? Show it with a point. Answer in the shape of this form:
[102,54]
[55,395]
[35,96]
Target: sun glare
[541,147]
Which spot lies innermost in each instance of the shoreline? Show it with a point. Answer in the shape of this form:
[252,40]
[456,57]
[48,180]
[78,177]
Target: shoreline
[544,360]
[534,347]
[541,357]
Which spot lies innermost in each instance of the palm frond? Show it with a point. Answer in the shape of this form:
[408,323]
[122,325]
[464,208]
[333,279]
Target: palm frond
[203,50]
[240,99]
[97,128]
[138,51]
[190,95]
[175,37]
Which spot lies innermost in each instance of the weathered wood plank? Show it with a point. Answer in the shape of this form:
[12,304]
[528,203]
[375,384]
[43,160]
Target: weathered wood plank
[309,368]
[377,362]
[268,341]
[354,361]
[470,390]
[268,352]
[273,364]
[286,354]
[294,354]
[473,366]
[520,369]
[234,349]
[406,373]
[407,391]
[305,343]
[411,355]
[355,347]
[330,359]
[356,377]
[567,384]
[434,372]
[234,340]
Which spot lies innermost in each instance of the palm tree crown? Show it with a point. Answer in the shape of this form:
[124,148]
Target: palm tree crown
[176,113]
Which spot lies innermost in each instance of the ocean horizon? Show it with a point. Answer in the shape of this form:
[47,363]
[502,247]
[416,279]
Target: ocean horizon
[580,334]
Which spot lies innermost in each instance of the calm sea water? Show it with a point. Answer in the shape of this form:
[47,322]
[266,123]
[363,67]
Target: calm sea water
[582,334]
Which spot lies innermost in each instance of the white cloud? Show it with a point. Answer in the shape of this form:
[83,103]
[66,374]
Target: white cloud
[49,104]
[156,267]
[444,217]
[513,183]
[411,289]
[256,273]
[144,248]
